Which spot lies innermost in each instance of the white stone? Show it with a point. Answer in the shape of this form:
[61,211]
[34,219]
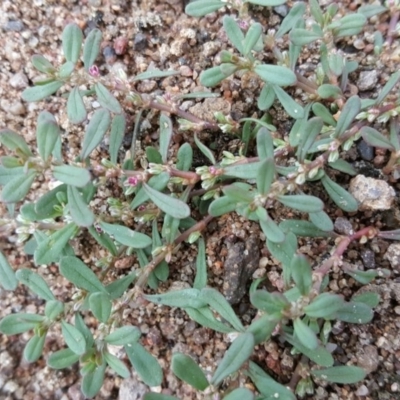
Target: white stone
[372,194]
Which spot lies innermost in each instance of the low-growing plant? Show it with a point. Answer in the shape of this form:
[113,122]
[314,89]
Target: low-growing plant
[160,200]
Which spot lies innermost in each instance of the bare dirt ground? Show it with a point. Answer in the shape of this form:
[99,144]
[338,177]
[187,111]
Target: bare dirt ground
[152,33]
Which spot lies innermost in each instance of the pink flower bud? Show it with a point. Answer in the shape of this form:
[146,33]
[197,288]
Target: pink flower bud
[94,71]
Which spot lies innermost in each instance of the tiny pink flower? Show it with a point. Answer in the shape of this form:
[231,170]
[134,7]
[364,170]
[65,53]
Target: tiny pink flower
[133,180]
[94,71]
[213,170]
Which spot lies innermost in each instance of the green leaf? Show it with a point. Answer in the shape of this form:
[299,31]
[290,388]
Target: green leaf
[16,189]
[200,280]
[309,132]
[13,141]
[301,202]
[157,182]
[328,91]
[178,298]
[275,74]
[265,146]
[283,252]
[79,210]
[188,371]
[47,134]
[291,20]
[145,364]
[72,38]
[82,327]
[343,166]
[53,309]
[341,197]
[348,25]
[35,282]
[371,299]
[212,76]
[269,227]
[205,150]
[294,109]
[218,302]
[106,99]
[73,338]
[271,303]
[240,394]
[125,335]
[172,206]
[51,248]
[253,35]
[95,131]
[165,136]
[268,387]
[91,47]
[117,365]
[126,236]
[322,112]
[153,155]
[76,110]
[355,313]
[66,70]
[222,205]
[117,133]
[14,324]
[266,97]
[42,64]
[205,317]
[262,327]
[117,288]
[301,273]
[104,240]
[233,32]
[185,157]
[322,221]
[237,354]
[301,37]
[71,175]
[34,348]
[349,112]
[390,84]
[7,276]
[324,305]
[243,171]
[199,8]
[100,305]
[342,374]
[320,355]
[8,174]
[40,92]
[158,396]
[375,138]
[302,228]
[154,73]
[62,359]
[80,275]
[305,334]
[265,176]
[93,380]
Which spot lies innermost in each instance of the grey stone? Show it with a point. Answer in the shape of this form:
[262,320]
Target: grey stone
[132,389]
[367,80]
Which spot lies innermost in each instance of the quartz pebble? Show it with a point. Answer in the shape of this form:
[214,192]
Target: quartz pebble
[372,194]
[393,255]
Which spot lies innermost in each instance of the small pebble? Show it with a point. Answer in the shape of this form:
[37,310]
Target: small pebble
[120,45]
[372,194]
[19,81]
[281,10]
[368,258]
[367,80]
[343,226]
[393,255]
[15,26]
[365,150]
[140,42]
